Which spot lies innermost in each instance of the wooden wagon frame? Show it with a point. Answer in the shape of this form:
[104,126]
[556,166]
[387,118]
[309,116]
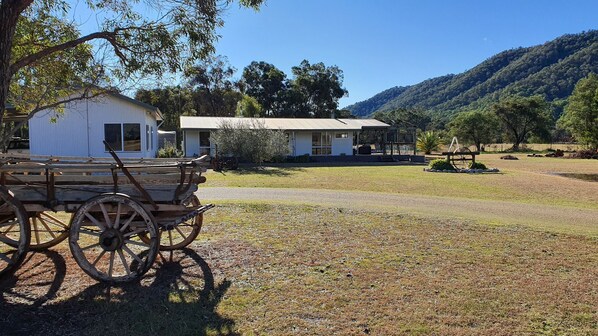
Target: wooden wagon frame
[116,214]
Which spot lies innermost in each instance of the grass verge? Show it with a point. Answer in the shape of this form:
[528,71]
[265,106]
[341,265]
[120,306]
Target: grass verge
[263,269]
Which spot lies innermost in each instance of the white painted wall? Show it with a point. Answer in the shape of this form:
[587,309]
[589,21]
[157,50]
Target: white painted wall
[191,143]
[302,143]
[342,146]
[79,131]
[299,143]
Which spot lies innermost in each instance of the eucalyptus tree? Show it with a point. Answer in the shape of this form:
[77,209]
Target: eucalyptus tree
[522,116]
[581,112]
[42,40]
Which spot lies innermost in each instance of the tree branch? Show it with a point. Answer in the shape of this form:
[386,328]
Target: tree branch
[30,59]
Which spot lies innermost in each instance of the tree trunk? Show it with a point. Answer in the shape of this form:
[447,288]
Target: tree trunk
[9,15]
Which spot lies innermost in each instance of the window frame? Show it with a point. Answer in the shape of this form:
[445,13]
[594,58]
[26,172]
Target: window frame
[322,146]
[121,137]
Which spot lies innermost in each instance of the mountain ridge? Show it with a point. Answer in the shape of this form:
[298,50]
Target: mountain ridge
[551,69]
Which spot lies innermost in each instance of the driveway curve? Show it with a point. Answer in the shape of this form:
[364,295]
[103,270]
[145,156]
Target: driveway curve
[545,217]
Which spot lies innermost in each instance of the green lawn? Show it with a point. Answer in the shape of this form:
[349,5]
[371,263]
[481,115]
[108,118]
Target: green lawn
[528,180]
[291,269]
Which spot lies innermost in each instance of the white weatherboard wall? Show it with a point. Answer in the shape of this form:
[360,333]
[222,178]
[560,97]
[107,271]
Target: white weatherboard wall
[79,131]
[191,142]
[302,143]
[342,145]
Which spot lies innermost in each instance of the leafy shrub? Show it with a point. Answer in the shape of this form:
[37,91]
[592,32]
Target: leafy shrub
[250,140]
[477,165]
[440,164]
[169,151]
[428,142]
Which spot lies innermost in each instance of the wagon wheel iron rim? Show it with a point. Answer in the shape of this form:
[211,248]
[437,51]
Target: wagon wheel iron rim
[105,238]
[460,158]
[14,232]
[181,235]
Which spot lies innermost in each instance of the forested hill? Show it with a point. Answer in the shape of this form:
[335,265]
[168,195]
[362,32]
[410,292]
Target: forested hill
[551,70]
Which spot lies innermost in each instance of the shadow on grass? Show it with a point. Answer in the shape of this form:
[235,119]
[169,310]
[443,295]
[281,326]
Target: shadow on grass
[179,299]
[265,171]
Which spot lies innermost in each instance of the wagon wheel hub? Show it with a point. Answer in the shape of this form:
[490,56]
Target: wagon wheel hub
[111,240]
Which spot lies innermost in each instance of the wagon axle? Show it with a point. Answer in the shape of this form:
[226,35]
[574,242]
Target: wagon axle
[111,240]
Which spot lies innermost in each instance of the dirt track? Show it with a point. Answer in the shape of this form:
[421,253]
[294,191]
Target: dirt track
[557,218]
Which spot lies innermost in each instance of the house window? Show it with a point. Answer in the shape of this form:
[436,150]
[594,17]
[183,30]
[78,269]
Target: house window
[113,136]
[152,137]
[321,143]
[204,143]
[123,137]
[132,137]
[343,135]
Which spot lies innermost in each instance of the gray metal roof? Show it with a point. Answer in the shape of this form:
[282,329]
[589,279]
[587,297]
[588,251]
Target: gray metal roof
[287,124]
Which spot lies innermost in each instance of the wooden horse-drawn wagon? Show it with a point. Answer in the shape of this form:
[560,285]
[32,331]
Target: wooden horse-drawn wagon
[116,215]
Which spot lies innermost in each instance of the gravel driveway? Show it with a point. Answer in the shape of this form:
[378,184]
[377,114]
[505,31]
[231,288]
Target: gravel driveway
[559,218]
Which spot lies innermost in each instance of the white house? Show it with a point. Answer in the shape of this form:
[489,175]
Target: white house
[317,137]
[128,125]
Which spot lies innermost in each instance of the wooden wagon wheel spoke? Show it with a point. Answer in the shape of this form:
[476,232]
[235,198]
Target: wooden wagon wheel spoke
[16,233]
[110,253]
[184,233]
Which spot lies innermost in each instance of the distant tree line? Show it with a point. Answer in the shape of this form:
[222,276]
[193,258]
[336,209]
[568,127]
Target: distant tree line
[513,119]
[263,90]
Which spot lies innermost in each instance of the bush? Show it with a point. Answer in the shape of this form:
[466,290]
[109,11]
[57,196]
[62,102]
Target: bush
[477,165]
[440,164]
[250,140]
[428,142]
[169,151]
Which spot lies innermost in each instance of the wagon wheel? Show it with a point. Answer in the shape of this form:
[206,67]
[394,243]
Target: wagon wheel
[179,236]
[14,232]
[460,158]
[47,230]
[105,238]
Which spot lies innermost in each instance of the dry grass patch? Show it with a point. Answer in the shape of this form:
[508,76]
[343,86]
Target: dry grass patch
[262,269]
[528,180]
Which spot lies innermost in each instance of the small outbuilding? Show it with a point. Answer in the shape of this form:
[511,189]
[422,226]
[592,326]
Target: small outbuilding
[307,136]
[128,125]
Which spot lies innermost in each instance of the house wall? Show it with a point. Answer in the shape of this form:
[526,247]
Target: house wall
[342,146]
[191,143]
[302,143]
[79,131]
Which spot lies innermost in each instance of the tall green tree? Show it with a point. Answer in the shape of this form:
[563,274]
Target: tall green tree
[522,116]
[320,87]
[475,127]
[267,84]
[249,107]
[581,113]
[214,90]
[132,41]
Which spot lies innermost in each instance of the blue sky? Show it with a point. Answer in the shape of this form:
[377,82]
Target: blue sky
[384,43]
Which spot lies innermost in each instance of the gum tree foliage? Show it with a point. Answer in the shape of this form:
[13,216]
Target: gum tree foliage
[249,107]
[581,114]
[40,44]
[250,140]
[522,116]
[475,127]
[267,84]
[320,87]
[215,93]
[314,90]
